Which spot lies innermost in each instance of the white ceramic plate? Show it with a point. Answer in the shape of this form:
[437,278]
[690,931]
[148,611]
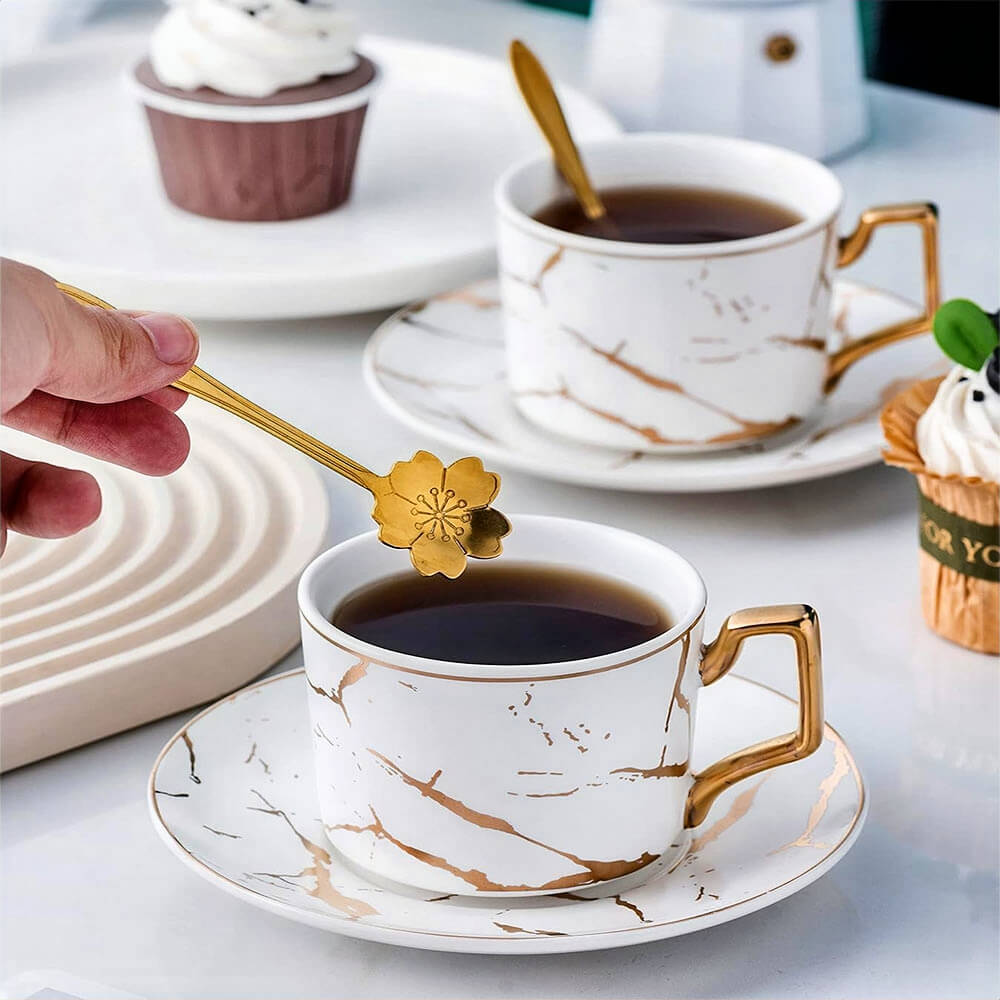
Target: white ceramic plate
[82,198]
[152,609]
[438,366]
[232,796]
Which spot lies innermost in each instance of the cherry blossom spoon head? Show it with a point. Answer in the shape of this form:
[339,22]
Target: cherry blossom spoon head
[442,515]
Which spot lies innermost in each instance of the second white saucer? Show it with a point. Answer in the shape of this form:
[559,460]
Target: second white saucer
[438,366]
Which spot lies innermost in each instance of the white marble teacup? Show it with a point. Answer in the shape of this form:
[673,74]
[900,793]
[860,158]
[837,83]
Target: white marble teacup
[516,780]
[666,348]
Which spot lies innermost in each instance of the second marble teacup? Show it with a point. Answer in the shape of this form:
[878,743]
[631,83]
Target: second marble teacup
[683,347]
[479,778]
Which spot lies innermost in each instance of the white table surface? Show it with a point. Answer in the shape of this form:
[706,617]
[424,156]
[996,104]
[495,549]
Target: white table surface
[911,912]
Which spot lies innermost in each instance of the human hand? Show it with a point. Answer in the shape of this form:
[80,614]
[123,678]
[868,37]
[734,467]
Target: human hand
[94,380]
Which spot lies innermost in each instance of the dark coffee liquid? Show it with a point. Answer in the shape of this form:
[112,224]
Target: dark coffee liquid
[509,613]
[671,215]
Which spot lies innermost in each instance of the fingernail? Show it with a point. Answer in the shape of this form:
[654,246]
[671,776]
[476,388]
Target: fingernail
[173,338]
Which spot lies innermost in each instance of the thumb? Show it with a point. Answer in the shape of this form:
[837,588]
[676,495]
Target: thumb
[103,356]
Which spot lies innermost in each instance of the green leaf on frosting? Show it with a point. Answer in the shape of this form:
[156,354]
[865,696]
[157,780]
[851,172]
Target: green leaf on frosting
[965,333]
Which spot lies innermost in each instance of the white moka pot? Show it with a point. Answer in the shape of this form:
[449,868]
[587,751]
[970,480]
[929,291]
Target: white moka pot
[778,71]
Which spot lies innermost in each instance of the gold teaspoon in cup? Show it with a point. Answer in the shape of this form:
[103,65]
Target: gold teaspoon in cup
[540,96]
[441,514]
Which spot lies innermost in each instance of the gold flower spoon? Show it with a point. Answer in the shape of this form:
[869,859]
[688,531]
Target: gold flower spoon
[442,515]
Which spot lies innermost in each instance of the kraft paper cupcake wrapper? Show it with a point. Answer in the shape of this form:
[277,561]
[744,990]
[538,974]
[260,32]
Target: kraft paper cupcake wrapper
[958,512]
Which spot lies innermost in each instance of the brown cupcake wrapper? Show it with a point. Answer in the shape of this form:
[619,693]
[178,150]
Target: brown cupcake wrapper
[958,606]
[257,171]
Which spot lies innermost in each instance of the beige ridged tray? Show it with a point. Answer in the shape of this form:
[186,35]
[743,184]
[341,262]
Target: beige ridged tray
[183,590]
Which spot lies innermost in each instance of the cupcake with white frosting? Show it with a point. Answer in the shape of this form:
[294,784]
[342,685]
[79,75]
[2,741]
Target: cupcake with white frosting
[256,107]
[947,433]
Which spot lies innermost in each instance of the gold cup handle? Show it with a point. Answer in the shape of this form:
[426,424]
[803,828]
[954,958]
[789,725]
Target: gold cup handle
[850,248]
[800,622]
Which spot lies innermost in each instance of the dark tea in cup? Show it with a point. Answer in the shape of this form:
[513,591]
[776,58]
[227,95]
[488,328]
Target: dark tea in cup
[672,215]
[509,613]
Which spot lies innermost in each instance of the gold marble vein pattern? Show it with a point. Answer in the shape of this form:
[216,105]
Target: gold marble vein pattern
[192,758]
[221,833]
[677,697]
[740,806]
[476,878]
[617,898]
[265,844]
[513,929]
[730,337]
[810,343]
[652,434]
[631,907]
[595,870]
[841,318]
[353,674]
[319,870]
[535,283]
[751,427]
[843,765]
[456,785]
[547,795]
[822,285]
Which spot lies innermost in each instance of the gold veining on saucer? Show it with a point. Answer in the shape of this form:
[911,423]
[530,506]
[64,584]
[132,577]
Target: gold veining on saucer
[751,429]
[277,890]
[319,870]
[843,765]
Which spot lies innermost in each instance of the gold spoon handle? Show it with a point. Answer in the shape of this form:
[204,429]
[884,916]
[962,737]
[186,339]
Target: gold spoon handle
[199,383]
[540,96]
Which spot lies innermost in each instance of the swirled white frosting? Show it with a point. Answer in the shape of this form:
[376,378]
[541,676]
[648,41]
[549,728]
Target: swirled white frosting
[251,48]
[959,433]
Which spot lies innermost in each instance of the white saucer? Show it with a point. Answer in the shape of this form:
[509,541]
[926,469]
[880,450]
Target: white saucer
[442,127]
[438,366]
[232,796]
